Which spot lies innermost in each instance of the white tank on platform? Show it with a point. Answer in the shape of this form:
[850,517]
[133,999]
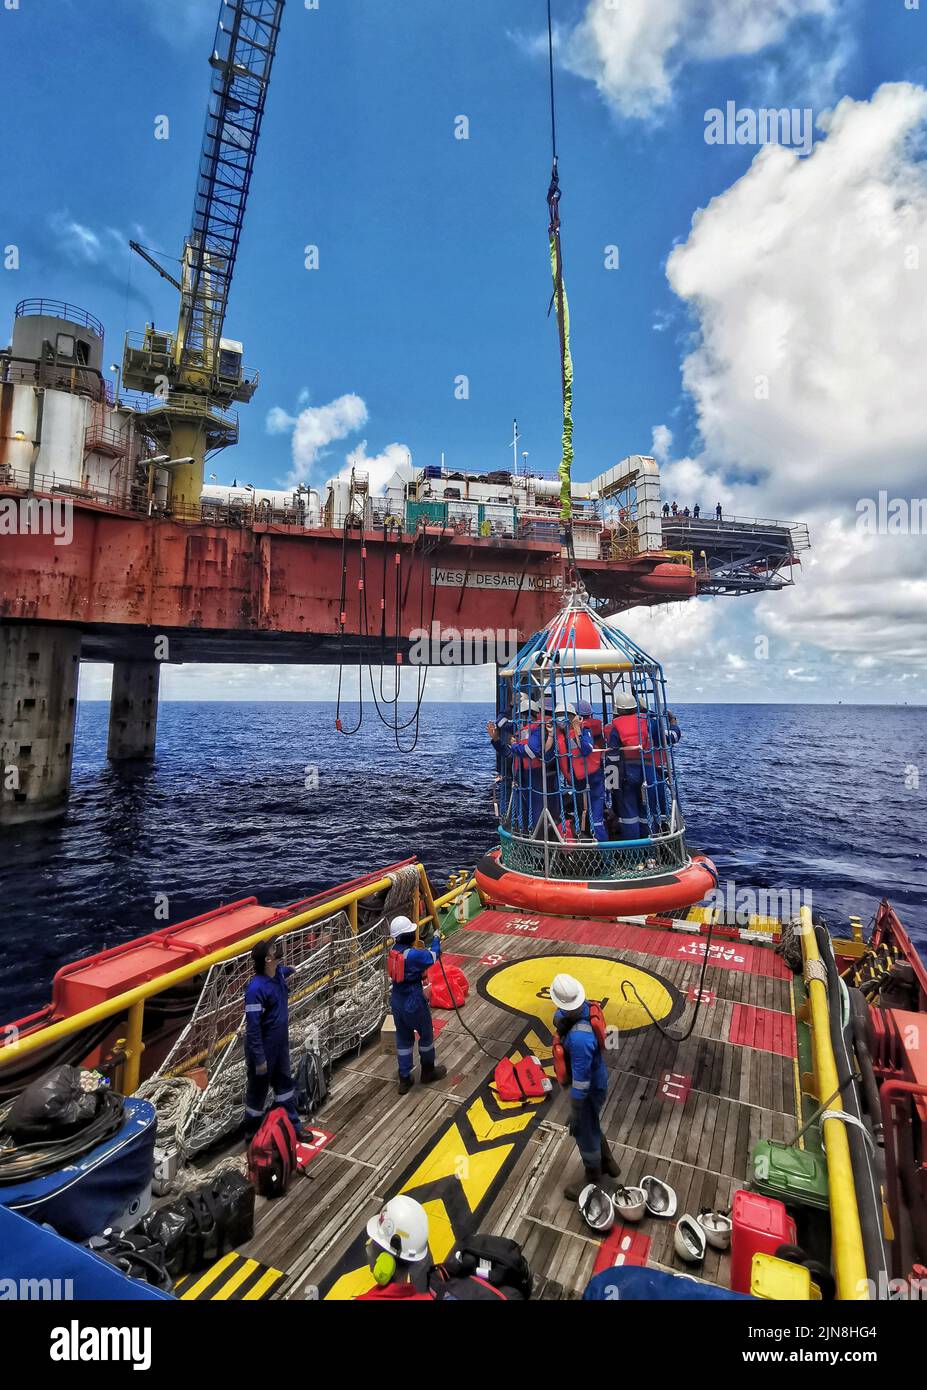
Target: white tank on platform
[294,508]
[61,431]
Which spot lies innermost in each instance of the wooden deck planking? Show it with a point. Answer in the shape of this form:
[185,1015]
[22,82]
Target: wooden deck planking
[738,1094]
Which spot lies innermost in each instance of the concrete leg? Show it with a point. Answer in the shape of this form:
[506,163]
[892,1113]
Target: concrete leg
[133,710]
[39,667]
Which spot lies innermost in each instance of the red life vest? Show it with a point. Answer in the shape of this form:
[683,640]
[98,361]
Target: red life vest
[583,763]
[634,734]
[562,1069]
[396,966]
[522,1080]
[594,760]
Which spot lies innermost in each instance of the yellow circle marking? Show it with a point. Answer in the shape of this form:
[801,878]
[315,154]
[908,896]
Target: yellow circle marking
[524,987]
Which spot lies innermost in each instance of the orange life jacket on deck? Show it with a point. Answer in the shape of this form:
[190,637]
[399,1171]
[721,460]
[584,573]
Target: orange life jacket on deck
[562,1068]
[634,734]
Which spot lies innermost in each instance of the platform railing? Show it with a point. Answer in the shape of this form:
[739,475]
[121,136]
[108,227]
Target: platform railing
[580,861]
[131,1004]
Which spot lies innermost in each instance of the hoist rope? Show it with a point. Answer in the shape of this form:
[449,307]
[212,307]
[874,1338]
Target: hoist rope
[563,310]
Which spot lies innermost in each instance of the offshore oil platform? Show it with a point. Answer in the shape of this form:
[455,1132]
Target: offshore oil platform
[115,549]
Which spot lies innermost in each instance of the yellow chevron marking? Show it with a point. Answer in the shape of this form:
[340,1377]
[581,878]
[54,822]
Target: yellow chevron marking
[537,1048]
[351,1285]
[211,1275]
[237,1279]
[450,1159]
[261,1286]
[485,1127]
[441,1239]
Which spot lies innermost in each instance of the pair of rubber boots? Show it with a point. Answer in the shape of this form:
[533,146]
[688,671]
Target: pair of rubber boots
[434,1072]
[608,1166]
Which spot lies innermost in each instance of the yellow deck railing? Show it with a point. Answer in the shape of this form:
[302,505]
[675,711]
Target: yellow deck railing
[132,1002]
[847,1250]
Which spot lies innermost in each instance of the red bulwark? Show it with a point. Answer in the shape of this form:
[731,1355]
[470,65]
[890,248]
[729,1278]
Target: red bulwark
[669,945]
[765,1029]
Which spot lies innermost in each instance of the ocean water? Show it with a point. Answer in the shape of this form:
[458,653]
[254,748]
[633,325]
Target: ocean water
[803,798]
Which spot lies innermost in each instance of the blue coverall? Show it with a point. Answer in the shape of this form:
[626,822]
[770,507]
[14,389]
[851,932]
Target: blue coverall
[411,1012]
[267,1014]
[627,800]
[590,1083]
[659,794]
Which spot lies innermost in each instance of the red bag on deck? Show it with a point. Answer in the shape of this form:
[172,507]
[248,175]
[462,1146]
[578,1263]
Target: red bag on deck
[523,1080]
[440,994]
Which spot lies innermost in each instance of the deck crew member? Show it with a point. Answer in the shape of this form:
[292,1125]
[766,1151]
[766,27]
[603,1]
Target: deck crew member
[397,1243]
[267,1038]
[629,737]
[407,965]
[588,1077]
[595,773]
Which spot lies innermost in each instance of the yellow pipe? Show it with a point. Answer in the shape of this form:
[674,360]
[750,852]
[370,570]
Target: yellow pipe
[455,893]
[849,1259]
[133,1048]
[67,1027]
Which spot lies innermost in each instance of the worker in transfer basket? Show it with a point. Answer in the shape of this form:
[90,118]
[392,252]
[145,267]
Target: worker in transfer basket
[267,1038]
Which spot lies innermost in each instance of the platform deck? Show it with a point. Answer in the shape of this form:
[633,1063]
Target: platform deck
[689,1113]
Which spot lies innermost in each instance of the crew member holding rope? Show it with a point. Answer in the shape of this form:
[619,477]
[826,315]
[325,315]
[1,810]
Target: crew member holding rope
[580,1064]
[267,1038]
[407,965]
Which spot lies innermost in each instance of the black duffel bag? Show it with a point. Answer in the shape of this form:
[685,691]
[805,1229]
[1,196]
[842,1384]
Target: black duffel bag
[493,1262]
[137,1255]
[200,1227]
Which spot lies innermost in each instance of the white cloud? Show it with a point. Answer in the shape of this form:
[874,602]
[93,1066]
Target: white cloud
[635,51]
[379,468]
[179,22]
[863,601]
[314,428]
[800,277]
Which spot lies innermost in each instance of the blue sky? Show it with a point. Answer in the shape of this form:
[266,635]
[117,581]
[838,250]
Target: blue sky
[433,263]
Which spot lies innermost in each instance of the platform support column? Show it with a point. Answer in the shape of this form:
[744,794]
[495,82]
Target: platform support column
[39,668]
[133,710]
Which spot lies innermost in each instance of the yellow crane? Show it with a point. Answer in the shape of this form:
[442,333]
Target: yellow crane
[195,375]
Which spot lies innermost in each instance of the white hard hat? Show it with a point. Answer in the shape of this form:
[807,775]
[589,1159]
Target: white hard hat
[401,926]
[625,702]
[401,1228]
[597,1208]
[567,993]
[565,711]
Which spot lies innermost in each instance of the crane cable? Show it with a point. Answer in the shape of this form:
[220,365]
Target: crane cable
[563,311]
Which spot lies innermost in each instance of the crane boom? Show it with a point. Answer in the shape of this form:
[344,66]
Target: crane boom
[242,58]
[193,376]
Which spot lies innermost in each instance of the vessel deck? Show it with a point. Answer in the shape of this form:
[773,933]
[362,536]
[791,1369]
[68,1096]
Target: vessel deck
[688,1113]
